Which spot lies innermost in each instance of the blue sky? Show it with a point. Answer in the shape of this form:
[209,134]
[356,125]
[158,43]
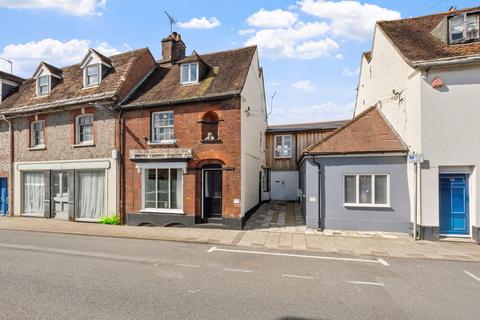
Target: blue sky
[310,49]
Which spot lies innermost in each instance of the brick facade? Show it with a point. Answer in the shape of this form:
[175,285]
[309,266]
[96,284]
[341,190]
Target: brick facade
[188,134]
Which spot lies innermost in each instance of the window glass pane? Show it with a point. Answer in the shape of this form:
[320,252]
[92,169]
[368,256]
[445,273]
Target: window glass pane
[162,126]
[90,185]
[33,193]
[472,26]
[193,72]
[150,189]
[185,73]
[176,188]
[381,189]
[43,80]
[85,128]
[456,28]
[350,189]
[162,188]
[365,189]
[287,146]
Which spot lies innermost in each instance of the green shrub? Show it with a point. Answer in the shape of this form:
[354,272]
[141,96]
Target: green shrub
[115,219]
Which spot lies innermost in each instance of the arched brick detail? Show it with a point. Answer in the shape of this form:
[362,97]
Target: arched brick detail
[201,157]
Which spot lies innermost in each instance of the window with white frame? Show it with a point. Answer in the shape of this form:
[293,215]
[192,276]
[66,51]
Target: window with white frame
[189,73]
[43,85]
[92,75]
[283,146]
[464,27]
[37,134]
[84,129]
[162,127]
[367,189]
[162,189]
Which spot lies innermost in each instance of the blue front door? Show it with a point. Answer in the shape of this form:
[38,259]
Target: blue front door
[3,196]
[454,204]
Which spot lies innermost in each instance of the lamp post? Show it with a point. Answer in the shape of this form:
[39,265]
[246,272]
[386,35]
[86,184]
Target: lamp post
[9,61]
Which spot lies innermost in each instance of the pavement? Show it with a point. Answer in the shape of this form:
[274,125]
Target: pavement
[58,276]
[274,226]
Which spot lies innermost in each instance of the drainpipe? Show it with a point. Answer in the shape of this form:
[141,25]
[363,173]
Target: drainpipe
[320,213]
[122,166]
[419,201]
[414,233]
[10,180]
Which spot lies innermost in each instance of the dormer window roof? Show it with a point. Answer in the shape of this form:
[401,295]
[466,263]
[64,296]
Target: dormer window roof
[95,66]
[46,77]
[464,27]
[192,69]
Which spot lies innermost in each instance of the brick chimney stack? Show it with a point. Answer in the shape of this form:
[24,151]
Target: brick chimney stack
[173,48]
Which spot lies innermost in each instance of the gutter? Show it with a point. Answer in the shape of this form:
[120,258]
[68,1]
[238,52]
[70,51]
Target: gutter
[446,62]
[181,101]
[10,180]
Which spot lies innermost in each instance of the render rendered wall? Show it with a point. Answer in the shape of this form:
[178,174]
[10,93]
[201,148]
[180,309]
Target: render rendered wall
[395,218]
[450,138]
[253,127]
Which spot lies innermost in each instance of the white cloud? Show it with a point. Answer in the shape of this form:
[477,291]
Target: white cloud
[272,19]
[27,56]
[72,7]
[347,18]
[290,42]
[304,85]
[312,113]
[349,72]
[244,32]
[200,23]
[339,56]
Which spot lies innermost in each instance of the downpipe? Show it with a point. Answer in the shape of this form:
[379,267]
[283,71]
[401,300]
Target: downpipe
[320,213]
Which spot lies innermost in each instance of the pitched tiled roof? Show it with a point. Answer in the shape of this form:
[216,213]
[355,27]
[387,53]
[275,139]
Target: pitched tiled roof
[368,132]
[10,77]
[227,75]
[53,69]
[69,90]
[414,40]
[312,126]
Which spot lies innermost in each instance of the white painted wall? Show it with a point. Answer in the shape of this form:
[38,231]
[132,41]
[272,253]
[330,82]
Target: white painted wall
[253,127]
[284,185]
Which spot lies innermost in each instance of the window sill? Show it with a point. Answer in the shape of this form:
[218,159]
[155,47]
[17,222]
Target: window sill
[81,145]
[283,158]
[162,143]
[366,205]
[190,83]
[37,148]
[90,87]
[160,211]
[212,141]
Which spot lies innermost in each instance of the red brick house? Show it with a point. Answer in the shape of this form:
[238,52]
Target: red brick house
[193,139]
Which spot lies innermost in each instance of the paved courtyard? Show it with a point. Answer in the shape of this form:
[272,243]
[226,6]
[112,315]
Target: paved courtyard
[274,226]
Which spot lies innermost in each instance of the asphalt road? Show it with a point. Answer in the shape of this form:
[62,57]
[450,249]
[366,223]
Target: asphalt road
[51,276]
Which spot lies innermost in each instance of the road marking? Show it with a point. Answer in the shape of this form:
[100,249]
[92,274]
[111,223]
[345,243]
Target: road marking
[472,275]
[296,276]
[368,283]
[238,270]
[187,265]
[380,261]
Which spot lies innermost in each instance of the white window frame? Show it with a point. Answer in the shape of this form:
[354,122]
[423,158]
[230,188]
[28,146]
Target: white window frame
[152,128]
[48,85]
[86,84]
[189,80]
[162,210]
[33,137]
[283,146]
[465,28]
[357,190]
[77,129]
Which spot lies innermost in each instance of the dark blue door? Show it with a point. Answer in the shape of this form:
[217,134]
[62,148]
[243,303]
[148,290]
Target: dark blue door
[3,196]
[454,204]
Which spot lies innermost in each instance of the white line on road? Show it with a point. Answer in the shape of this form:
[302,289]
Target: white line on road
[380,261]
[472,275]
[238,270]
[296,276]
[187,265]
[368,283]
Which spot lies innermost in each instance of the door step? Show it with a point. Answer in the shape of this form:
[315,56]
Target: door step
[210,226]
[457,239]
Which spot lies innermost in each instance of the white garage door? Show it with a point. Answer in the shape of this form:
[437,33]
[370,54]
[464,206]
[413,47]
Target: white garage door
[284,185]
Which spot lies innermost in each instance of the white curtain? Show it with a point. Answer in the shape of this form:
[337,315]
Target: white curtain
[33,193]
[179,189]
[91,185]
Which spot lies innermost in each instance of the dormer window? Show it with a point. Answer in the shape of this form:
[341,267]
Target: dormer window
[92,75]
[43,85]
[189,73]
[464,27]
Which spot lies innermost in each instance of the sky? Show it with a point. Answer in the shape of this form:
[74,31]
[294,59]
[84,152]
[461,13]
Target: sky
[310,50]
